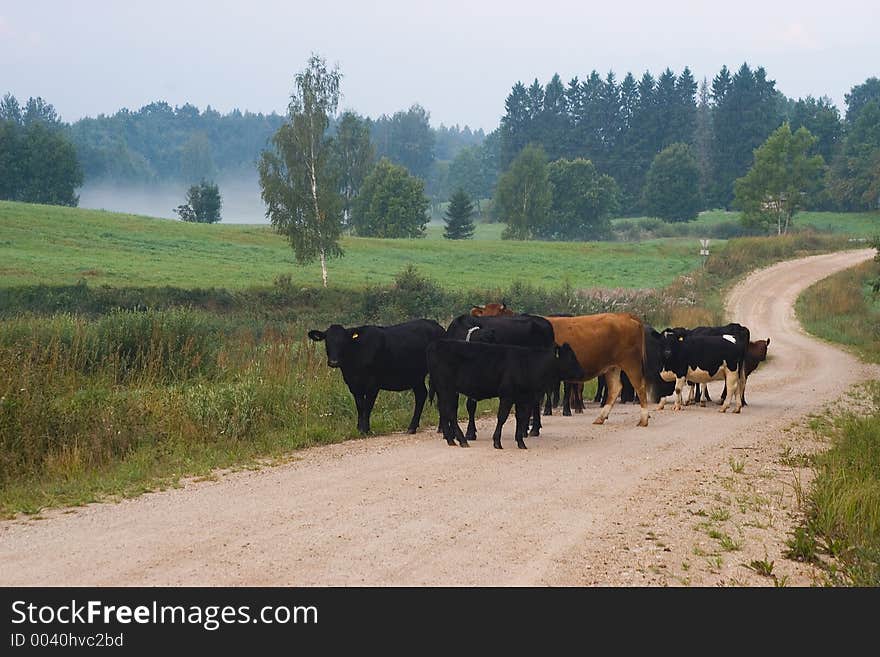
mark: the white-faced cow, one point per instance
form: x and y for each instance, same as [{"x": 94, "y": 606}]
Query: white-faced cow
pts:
[
  {"x": 374, "y": 358},
  {"x": 700, "y": 359},
  {"x": 700, "y": 391},
  {"x": 516, "y": 375}
]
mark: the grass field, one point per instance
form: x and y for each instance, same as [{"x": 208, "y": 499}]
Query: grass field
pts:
[{"x": 52, "y": 245}]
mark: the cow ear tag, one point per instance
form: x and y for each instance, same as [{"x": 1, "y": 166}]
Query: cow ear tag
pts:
[
  {"x": 681, "y": 339},
  {"x": 354, "y": 336}
]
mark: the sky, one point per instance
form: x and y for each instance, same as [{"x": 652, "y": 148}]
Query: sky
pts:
[{"x": 457, "y": 59}]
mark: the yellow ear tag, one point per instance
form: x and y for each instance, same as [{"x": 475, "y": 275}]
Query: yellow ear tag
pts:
[
  {"x": 354, "y": 336},
  {"x": 681, "y": 339}
]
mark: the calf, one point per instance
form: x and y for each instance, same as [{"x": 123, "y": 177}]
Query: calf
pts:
[
  {"x": 374, "y": 358},
  {"x": 517, "y": 375},
  {"x": 701, "y": 359},
  {"x": 519, "y": 330}
]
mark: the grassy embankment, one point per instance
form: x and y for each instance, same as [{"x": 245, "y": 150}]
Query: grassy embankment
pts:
[
  {"x": 842, "y": 508},
  {"x": 97, "y": 401}
]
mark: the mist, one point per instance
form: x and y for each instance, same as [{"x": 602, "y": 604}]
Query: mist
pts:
[{"x": 241, "y": 198}]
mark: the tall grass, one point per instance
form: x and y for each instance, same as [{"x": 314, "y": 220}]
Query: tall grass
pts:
[
  {"x": 146, "y": 396},
  {"x": 843, "y": 505},
  {"x": 843, "y": 308}
]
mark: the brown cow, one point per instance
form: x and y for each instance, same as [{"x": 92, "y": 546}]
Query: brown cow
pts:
[
  {"x": 606, "y": 344},
  {"x": 491, "y": 310}
]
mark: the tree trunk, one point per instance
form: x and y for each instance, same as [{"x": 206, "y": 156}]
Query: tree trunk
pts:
[{"x": 323, "y": 267}]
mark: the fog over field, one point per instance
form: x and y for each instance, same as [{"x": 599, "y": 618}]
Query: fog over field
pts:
[{"x": 241, "y": 199}]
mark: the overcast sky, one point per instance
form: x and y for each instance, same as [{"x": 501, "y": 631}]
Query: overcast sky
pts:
[{"x": 457, "y": 59}]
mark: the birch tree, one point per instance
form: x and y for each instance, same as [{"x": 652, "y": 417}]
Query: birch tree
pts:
[{"x": 298, "y": 182}]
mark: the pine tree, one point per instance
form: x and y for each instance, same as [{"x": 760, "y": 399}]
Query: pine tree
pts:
[{"x": 459, "y": 217}]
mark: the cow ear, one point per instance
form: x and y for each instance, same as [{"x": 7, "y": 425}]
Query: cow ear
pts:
[
  {"x": 317, "y": 336},
  {"x": 768, "y": 342}
]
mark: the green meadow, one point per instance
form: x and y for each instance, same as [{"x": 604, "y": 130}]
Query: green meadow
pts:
[{"x": 61, "y": 246}]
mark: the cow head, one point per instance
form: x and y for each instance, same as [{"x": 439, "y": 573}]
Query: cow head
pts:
[
  {"x": 670, "y": 339},
  {"x": 569, "y": 367},
  {"x": 340, "y": 343},
  {"x": 492, "y": 310},
  {"x": 758, "y": 349}
]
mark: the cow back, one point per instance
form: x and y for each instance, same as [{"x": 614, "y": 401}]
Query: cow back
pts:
[
  {"x": 602, "y": 341},
  {"x": 520, "y": 330}
]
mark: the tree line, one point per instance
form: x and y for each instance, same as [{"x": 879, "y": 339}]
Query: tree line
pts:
[{"x": 621, "y": 127}]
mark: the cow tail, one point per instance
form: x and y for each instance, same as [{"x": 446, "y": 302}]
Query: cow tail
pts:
[
  {"x": 430, "y": 390},
  {"x": 644, "y": 358}
]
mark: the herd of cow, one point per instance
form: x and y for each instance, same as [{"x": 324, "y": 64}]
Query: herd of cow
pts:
[{"x": 492, "y": 352}]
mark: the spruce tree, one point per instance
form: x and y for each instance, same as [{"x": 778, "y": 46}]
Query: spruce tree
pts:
[{"x": 459, "y": 217}]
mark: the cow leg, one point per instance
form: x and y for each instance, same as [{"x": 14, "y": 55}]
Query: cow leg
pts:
[
  {"x": 691, "y": 393},
  {"x": 548, "y": 403},
  {"x": 421, "y": 394},
  {"x": 640, "y": 389},
  {"x": 448, "y": 410},
  {"x": 369, "y": 401},
  {"x": 566, "y": 399},
  {"x": 679, "y": 384},
  {"x": 577, "y": 395},
  {"x": 504, "y": 405},
  {"x": 706, "y": 392},
  {"x": 522, "y": 423},
  {"x": 471, "y": 433},
  {"x": 612, "y": 385},
  {"x": 731, "y": 378},
  {"x": 601, "y": 389},
  {"x": 536, "y": 418},
  {"x": 359, "y": 404}
]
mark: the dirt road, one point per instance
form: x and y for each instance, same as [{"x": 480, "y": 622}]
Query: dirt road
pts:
[{"x": 612, "y": 504}]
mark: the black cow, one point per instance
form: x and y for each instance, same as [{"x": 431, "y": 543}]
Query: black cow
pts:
[
  {"x": 517, "y": 375},
  {"x": 702, "y": 358},
  {"x": 374, "y": 358},
  {"x": 518, "y": 330}
]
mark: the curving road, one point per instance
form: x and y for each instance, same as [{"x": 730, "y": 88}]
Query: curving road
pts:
[{"x": 409, "y": 510}]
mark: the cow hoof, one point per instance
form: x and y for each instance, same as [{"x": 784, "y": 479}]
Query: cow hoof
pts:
[
  {"x": 410, "y": 431},
  {"x": 451, "y": 443},
  {"x": 464, "y": 443},
  {"x": 470, "y": 436},
  {"x": 521, "y": 444},
  {"x": 722, "y": 410},
  {"x": 535, "y": 433},
  {"x": 599, "y": 420},
  {"x": 737, "y": 410},
  {"x": 497, "y": 444},
  {"x": 566, "y": 413},
  {"x": 702, "y": 404},
  {"x": 642, "y": 423}
]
